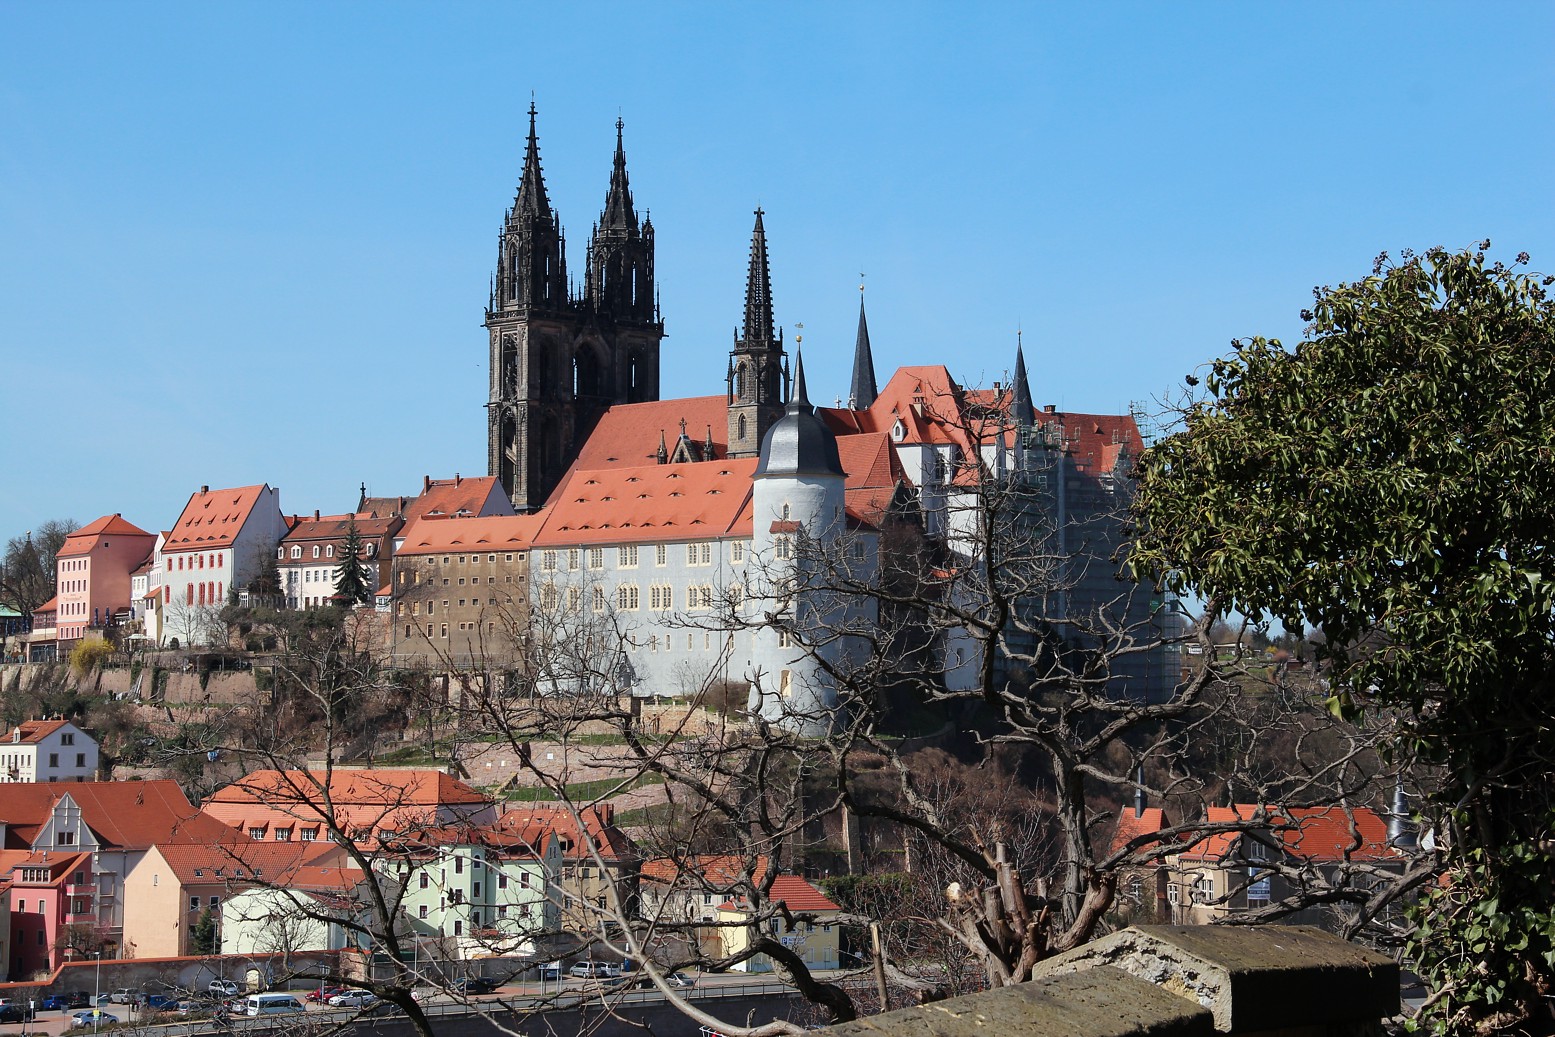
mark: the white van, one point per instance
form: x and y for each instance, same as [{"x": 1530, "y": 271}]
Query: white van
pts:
[{"x": 270, "y": 1004}]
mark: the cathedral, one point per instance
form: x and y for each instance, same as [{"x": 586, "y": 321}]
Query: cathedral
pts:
[{"x": 678, "y": 519}]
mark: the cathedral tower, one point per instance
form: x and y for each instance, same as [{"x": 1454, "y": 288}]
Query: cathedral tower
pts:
[
  {"x": 757, "y": 365},
  {"x": 559, "y": 361}
]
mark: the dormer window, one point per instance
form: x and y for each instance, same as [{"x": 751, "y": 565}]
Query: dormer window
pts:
[
  {"x": 329, "y": 550},
  {"x": 296, "y": 551},
  {"x": 315, "y": 550}
]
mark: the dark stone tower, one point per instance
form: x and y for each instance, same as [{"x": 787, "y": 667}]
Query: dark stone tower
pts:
[
  {"x": 559, "y": 361},
  {"x": 757, "y": 365},
  {"x": 862, "y": 393}
]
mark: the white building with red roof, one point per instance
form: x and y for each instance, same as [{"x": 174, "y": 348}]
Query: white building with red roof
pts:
[
  {"x": 47, "y": 750},
  {"x": 308, "y": 558},
  {"x": 221, "y": 541}
]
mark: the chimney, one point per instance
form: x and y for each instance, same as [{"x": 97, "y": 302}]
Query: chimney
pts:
[
  {"x": 205, "y": 489},
  {"x": 1139, "y": 794},
  {"x": 426, "y": 483},
  {"x": 1048, "y": 408},
  {"x": 458, "y": 478},
  {"x": 315, "y": 514}
]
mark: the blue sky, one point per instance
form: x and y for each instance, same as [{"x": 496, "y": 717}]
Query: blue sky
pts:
[{"x": 253, "y": 241}]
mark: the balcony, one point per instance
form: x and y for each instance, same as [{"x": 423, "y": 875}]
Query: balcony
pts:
[
  {"x": 83, "y": 890},
  {"x": 87, "y": 917}
]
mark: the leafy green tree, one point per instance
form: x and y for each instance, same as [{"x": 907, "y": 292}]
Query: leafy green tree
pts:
[
  {"x": 351, "y": 576},
  {"x": 1392, "y": 480}
]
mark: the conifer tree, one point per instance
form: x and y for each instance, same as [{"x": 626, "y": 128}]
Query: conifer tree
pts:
[{"x": 351, "y": 582}]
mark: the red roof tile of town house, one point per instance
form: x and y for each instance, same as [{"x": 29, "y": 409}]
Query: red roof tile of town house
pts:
[
  {"x": 718, "y": 871},
  {"x": 212, "y": 518},
  {"x": 123, "y": 814},
  {"x": 245, "y": 859},
  {"x": 692, "y": 501},
  {"x": 84, "y": 539},
  {"x": 627, "y": 436},
  {"x": 1315, "y": 834},
  {"x": 533, "y": 819},
  {"x": 458, "y": 496},
  {"x": 1131, "y": 826},
  {"x": 30, "y": 732},
  {"x": 436, "y": 534},
  {"x": 334, "y": 528},
  {"x": 366, "y": 787},
  {"x": 794, "y": 893}
]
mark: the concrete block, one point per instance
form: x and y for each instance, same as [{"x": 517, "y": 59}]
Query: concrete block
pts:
[
  {"x": 1101, "y": 1002},
  {"x": 1254, "y": 979}
]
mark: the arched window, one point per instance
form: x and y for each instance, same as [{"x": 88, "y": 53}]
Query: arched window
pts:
[
  {"x": 741, "y": 381},
  {"x": 329, "y": 550},
  {"x": 742, "y": 428}
]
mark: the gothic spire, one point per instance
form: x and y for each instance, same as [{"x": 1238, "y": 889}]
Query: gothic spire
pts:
[
  {"x": 619, "y": 214},
  {"x": 799, "y": 402},
  {"x": 531, "y": 188},
  {"x": 864, "y": 390},
  {"x": 1021, "y": 409},
  {"x": 758, "y": 289}
]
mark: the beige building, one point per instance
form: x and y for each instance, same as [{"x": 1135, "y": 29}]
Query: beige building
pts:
[{"x": 461, "y": 592}]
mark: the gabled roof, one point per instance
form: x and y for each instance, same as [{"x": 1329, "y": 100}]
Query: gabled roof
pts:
[
  {"x": 122, "y": 814},
  {"x": 1131, "y": 826},
  {"x": 31, "y": 732},
  {"x": 627, "y": 434},
  {"x": 716, "y": 871},
  {"x": 58, "y": 864},
  {"x": 1316, "y": 835},
  {"x": 480, "y": 495},
  {"x": 436, "y": 534},
  {"x": 535, "y": 819},
  {"x": 239, "y": 859},
  {"x": 793, "y": 892},
  {"x": 212, "y": 519},
  {"x": 693, "y": 501},
  {"x": 84, "y": 539},
  {"x": 334, "y": 528}
]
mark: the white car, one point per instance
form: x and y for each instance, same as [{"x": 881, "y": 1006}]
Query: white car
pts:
[
  {"x": 354, "y": 999},
  {"x": 222, "y": 988},
  {"x": 92, "y": 1017}
]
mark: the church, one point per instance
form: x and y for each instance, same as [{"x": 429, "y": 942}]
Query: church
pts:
[{"x": 678, "y": 546}]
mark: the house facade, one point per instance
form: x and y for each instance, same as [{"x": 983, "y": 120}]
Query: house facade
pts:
[
  {"x": 219, "y": 544},
  {"x": 93, "y": 574},
  {"x": 47, "y": 750},
  {"x": 308, "y": 557}
]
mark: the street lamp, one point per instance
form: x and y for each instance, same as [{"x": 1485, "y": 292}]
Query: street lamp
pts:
[{"x": 97, "y": 990}]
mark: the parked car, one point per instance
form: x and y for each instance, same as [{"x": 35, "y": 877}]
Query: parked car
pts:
[
  {"x": 594, "y": 970},
  {"x": 161, "y": 1002},
  {"x": 680, "y": 980},
  {"x": 16, "y": 1012},
  {"x": 323, "y": 994},
  {"x": 123, "y": 996},
  {"x": 92, "y": 1017},
  {"x": 476, "y": 985},
  {"x": 354, "y": 999},
  {"x": 68, "y": 1000},
  {"x": 222, "y": 988}
]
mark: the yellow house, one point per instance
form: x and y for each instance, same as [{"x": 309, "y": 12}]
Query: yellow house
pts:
[{"x": 814, "y": 934}]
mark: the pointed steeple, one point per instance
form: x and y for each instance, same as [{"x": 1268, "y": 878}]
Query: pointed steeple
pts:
[
  {"x": 532, "y": 200},
  {"x": 799, "y": 402},
  {"x": 863, "y": 393},
  {"x": 619, "y": 214},
  {"x": 758, "y": 289},
  {"x": 1020, "y": 406}
]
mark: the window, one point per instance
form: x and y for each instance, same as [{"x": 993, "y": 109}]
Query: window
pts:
[
  {"x": 596, "y": 558},
  {"x": 256, "y": 832},
  {"x": 737, "y": 552},
  {"x": 80, "y": 759},
  {"x": 572, "y": 558},
  {"x": 53, "y": 759},
  {"x": 315, "y": 550},
  {"x": 626, "y": 557},
  {"x": 329, "y": 550},
  {"x": 458, "y": 865},
  {"x": 598, "y": 597},
  {"x": 786, "y": 683},
  {"x": 626, "y": 596},
  {"x": 67, "y": 739},
  {"x": 475, "y": 890},
  {"x": 548, "y": 561},
  {"x": 574, "y": 597},
  {"x": 426, "y": 880},
  {"x": 310, "y": 834},
  {"x": 67, "y": 838},
  {"x": 785, "y": 639},
  {"x": 781, "y": 548},
  {"x": 660, "y": 554},
  {"x": 458, "y": 927},
  {"x": 194, "y": 903},
  {"x": 215, "y": 902},
  {"x": 283, "y": 835},
  {"x": 502, "y": 881},
  {"x": 422, "y": 912}
]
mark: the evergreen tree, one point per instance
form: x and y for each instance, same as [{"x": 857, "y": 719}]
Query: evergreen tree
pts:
[
  {"x": 351, "y": 576},
  {"x": 205, "y": 937}
]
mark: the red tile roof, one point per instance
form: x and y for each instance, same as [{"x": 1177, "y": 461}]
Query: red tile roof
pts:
[
  {"x": 31, "y": 732},
  {"x": 82, "y": 540},
  {"x": 1315, "y": 834},
  {"x": 473, "y": 496},
  {"x": 693, "y": 501},
  {"x": 212, "y": 519},
  {"x": 436, "y": 534},
  {"x": 627, "y": 436},
  {"x": 333, "y": 528},
  {"x": 122, "y": 814},
  {"x": 1131, "y": 826},
  {"x": 715, "y": 870},
  {"x": 795, "y": 893},
  {"x": 365, "y": 787},
  {"x": 533, "y": 819}
]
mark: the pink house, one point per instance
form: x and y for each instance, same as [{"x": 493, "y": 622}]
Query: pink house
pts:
[
  {"x": 48, "y": 894},
  {"x": 93, "y": 573}
]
